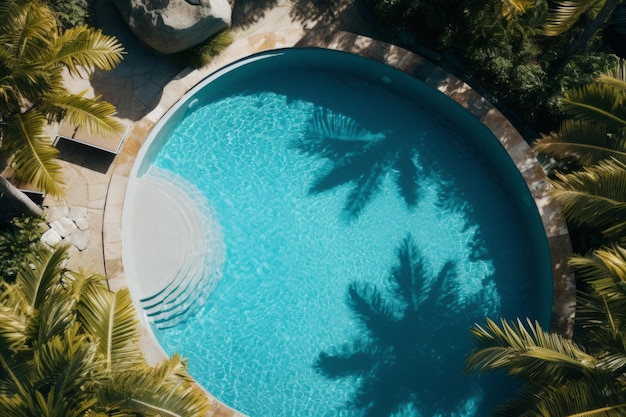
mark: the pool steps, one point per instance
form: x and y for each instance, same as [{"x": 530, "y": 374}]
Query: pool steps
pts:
[{"x": 194, "y": 278}]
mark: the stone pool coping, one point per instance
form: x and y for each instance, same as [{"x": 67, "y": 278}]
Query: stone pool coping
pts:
[{"x": 563, "y": 308}]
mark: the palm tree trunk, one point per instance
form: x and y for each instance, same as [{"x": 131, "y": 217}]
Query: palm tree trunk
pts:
[
  {"x": 25, "y": 204},
  {"x": 593, "y": 27}
]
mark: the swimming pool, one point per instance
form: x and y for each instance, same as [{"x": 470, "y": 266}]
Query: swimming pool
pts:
[{"x": 320, "y": 169}]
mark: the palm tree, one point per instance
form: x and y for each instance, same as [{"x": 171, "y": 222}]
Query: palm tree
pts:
[
  {"x": 595, "y": 122},
  {"x": 561, "y": 377},
  {"x": 68, "y": 347},
  {"x": 568, "y": 12},
  {"x": 404, "y": 358},
  {"x": 594, "y": 199},
  {"x": 33, "y": 57},
  {"x": 592, "y": 145},
  {"x": 359, "y": 157}
]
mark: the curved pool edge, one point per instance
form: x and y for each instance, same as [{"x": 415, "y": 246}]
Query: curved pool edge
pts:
[{"x": 554, "y": 223}]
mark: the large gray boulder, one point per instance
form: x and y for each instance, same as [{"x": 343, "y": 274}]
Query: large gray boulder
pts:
[{"x": 170, "y": 26}]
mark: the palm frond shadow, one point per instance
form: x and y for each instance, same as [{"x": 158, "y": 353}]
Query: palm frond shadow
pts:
[
  {"x": 359, "y": 157},
  {"x": 411, "y": 349}
]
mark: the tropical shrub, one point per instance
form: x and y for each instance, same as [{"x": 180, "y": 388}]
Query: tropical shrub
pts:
[
  {"x": 589, "y": 149},
  {"x": 69, "y": 347},
  {"x": 503, "y": 48},
  {"x": 71, "y": 13},
  {"x": 562, "y": 377},
  {"x": 201, "y": 55},
  {"x": 16, "y": 242}
]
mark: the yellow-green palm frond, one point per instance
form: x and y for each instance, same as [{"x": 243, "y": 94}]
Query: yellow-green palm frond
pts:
[
  {"x": 615, "y": 77},
  {"x": 511, "y": 8},
  {"x": 28, "y": 37},
  {"x": 601, "y": 310},
  {"x": 87, "y": 48},
  {"x": 165, "y": 389},
  {"x": 597, "y": 103},
  {"x": 530, "y": 354},
  {"x": 36, "y": 278},
  {"x": 54, "y": 316},
  {"x": 604, "y": 270},
  {"x": 565, "y": 14},
  {"x": 598, "y": 395},
  {"x": 595, "y": 197},
  {"x": 111, "y": 318},
  {"x": 12, "y": 333},
  {"x": 582, "y": 142},
  {"x": 90, "y": 114},
  {"x": 34, "y": 157},
  {"x": 68, "y": 371}
]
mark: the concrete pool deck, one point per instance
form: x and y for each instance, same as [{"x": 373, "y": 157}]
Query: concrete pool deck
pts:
[{"x": 145, "y": 86}]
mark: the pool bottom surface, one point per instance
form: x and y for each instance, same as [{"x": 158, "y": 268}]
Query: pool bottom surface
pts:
[{"x": 287, "y": 330}]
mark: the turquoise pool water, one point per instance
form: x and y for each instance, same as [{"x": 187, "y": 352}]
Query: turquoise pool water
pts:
[{"x": 326, "y": 171}]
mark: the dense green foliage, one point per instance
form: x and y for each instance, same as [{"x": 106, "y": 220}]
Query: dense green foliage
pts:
[
  {"x": 71, "y": 13},
  {"x": 503, "y": 49},
  {"x": 201, "y": 55},
  {"x": 17, "y": 241}
]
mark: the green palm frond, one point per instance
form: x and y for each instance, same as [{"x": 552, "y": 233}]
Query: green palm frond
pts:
[
  {"x": 54, "y": 316},
  {"x": 34, "y": 157},
  {"x": 601, "y": 310},
  {"x": 12, "y": 332},
  {"x": 91, "y": 114},
  {"x": 512, "y": 8},
  {"x": 165, "y": 390},
  {"x": 565, "y": 14},
  {"x": 532, "y": 355},
  {"x": 110, "y": 317},
  {"x": 596, "y": 396},
  {"x": 68, "y": 370},
  {"x": 605, "y": 270},
  {"x": 28, "y": 38},
  {"x": 595, "y": 197},
  {"x": 85, "y": 48},
  {"x": 615, "y": 77},
  {"x": 37, "y": 280},
  {"x": 14, "y": 352},
  {"x": 584, "y": 143},
  {"x": 597, "y": 103}
]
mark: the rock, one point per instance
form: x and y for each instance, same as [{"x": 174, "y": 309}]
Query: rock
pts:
[
  {"x": 76, "y": 213},
  {"x": 64, "y": 226},
  {"x": 51, "y": 237},
  {"x": 81, "y": 223},
  {"x": 56, "y": 212},
  {"x": 170, "y": 26},
  {"x": 80, "y": 238}
]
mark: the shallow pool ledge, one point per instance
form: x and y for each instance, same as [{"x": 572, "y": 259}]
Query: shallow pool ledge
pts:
[{"x": 563, "y": 308}]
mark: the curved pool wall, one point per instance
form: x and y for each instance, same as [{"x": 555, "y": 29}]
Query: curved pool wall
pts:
[{"x": 476, "y": 106}]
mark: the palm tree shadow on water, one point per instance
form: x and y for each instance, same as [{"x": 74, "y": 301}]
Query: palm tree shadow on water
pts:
[
  {"x": 359, "y": 157},
  {"x": 409, "y": 351},
  {"x": 362, "y": 160}
]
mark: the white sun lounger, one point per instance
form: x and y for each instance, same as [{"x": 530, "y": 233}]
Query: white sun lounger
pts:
[{"x": 109, "y": 144}]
